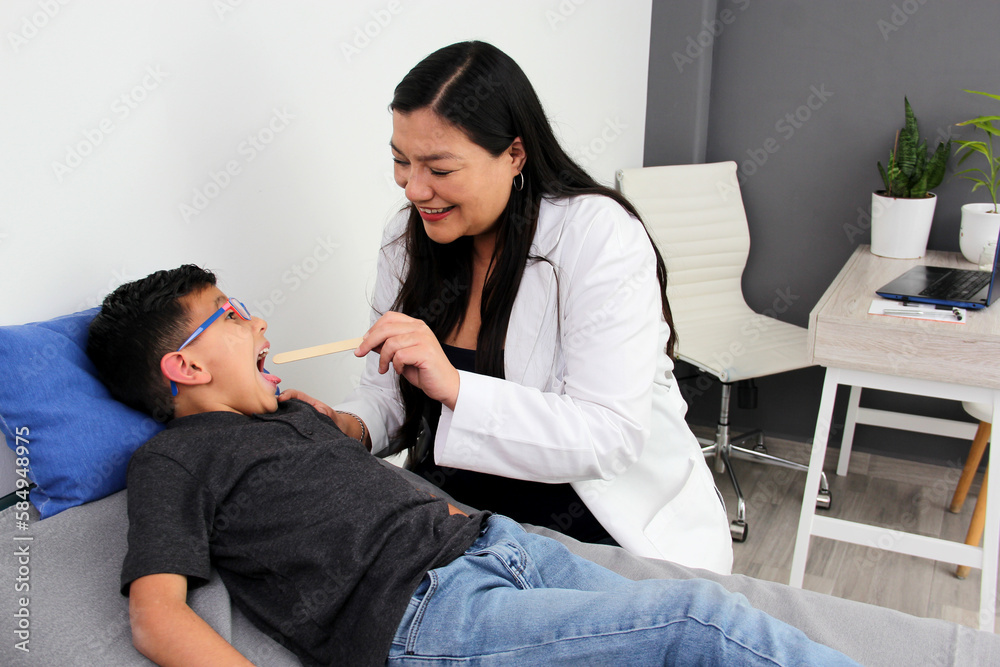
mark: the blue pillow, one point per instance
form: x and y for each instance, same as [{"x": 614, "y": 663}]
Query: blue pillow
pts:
[{"x": 79, "y": 439}]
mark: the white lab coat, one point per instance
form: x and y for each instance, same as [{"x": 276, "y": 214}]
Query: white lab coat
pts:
[{"x": 589, "y": 396}]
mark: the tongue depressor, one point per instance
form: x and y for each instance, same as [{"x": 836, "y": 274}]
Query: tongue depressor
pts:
[{"x": 317, "y": 351}]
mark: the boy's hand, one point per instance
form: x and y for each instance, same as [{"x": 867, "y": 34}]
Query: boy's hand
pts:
[{"x": 315, "y": 402}]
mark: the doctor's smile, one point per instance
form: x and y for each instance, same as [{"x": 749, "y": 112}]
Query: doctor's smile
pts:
[{"x": 434, "y": 214}]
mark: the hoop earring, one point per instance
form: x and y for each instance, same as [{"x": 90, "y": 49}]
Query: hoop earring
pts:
[{"x": 521, "y": 186}]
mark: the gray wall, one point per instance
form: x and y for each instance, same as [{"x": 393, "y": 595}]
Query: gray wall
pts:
[{"x": 807, "y": 96}]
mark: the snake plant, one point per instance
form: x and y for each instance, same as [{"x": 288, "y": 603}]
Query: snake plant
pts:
[{"x": 911, "y": 173}]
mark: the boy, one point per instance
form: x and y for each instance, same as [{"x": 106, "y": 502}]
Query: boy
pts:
[{"x": 335, "y": 555}]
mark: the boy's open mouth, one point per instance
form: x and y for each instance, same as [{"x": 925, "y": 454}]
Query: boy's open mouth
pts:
[{"x": 273, "y": 379}]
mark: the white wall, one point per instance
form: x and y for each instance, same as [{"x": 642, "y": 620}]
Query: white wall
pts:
[{"x": 120, "y": 119}]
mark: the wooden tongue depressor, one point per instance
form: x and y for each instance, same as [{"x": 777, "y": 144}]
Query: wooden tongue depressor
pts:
[{"x": 319, "y": 350}]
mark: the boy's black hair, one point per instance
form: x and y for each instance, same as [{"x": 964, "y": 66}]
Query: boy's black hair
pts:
[{"x": 139, "y": 323}]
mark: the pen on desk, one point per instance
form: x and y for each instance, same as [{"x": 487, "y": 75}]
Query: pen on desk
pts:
[
  {"x": 924, "y": 306},
  {"x": 956, "y": 312},
  {"x": 907, "y": 311}
]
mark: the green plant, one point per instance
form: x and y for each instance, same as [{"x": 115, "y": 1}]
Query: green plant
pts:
[
  {"x": 911, "y": 173},
  {"x": 990, "y": 180}
]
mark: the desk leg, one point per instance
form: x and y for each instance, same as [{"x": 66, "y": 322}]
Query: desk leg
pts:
[
  {"x": 823, "y": 421},
  {"x": 847, "y": 442},
  {"x": 991, "y": 537}
]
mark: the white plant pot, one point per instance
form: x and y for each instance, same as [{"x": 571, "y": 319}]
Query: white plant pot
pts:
[
  {"x": 979, "y": 227},
  {"x": 901, "y": 227}
]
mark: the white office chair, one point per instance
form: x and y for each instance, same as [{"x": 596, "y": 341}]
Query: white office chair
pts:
[{"x": 695, "y": 214}]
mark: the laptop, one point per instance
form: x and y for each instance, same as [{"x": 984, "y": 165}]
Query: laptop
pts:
[{"x": 956, "y": 288}]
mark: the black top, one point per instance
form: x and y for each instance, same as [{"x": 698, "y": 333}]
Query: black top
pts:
[
  {"x": 555, "y": 506},
  {"x": 318, "y": 543}
]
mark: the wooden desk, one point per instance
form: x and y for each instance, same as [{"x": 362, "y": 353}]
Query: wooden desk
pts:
[{"x": 939, "y": 359}]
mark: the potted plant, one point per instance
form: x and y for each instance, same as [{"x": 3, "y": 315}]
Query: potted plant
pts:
[
  {"x": 902, "y": 213},
  {"x": 980, "y": 222}
]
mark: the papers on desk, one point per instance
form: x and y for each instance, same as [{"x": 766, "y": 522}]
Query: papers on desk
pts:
[{"x": 917, "y": 311}]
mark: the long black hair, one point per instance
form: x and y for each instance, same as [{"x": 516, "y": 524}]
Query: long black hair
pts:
[{"x": 480, "y": 90}]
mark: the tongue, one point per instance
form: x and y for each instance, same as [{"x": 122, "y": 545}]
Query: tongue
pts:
[{"x": 273, "y": 379}]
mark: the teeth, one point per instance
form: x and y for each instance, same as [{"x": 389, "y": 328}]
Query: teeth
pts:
[
  {"x": 435, "y": 210},
  {"x": 263, "y": 353}
]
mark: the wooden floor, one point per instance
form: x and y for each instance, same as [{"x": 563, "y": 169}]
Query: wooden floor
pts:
[{"x": 899, "y": 495}]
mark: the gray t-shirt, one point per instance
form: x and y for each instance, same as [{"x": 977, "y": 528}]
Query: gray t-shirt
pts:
[{"x": 317, "y": 543}]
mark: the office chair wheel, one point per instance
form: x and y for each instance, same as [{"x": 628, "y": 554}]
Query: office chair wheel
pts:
[
  {"x": 738, "y": 530},
  {"x": 823, "y": 500}
]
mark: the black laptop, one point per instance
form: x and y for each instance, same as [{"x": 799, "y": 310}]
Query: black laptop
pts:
[{"x": 961, "y": 288}]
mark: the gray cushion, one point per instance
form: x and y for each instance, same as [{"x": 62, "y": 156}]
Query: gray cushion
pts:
[{"x": 77, "y": 616}]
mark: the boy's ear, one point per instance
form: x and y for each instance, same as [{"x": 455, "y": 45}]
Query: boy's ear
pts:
[{"x": 177, "y": 367}]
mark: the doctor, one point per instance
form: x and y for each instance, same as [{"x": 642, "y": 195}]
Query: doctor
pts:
[{"x": 521, "y": 330}]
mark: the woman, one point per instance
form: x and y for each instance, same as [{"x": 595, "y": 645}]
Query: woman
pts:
[{"x": 520, "y": 319}]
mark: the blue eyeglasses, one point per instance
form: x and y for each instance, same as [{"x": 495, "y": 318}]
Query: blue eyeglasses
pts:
[{"x": 234, "y": 305}]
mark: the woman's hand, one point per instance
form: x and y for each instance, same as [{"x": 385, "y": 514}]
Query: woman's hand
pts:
[
  {"x": 349, "y": 424},
  {"x": 411, "y": 348},
  {"x": 306, "y": 398}
]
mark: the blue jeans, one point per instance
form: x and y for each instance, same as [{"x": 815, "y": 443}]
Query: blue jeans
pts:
[{"x": 516, "y": 598}]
